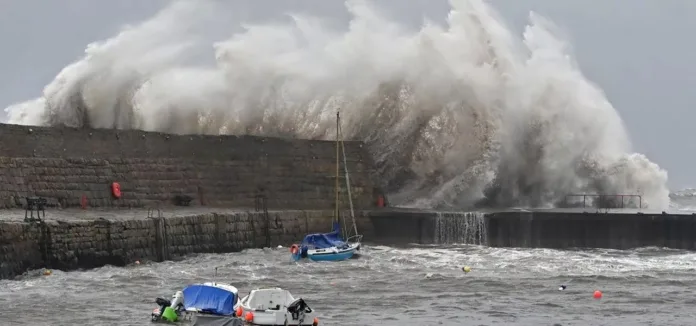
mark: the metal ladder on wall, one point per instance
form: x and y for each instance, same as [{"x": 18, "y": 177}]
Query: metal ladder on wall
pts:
[
  {"x": 261, "y": 204},
  {"x": 161, "y": 243},
  {"x": 38, "y": 205}
]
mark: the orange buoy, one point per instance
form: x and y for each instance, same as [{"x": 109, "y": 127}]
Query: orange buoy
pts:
[
  {"x": 316, "y": 321},
  {"x": 239, "y": 312},
  {"x": 294, "y": 249},
  {"x": 116, "y": 190},
  {"x": 597, "y": 294},
  {"x": 249, "y": 317}
]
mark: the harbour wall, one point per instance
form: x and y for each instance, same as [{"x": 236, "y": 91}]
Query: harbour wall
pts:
[
  {"x": 63, "y": 165},
  {"x": 393, "y": 226},
  {"x": 232, "y": 181},
  {"x": 560, "y": 229},
  {"x": 615, "y": 229},
  {"x": 88, "y": 243},
  {"x": 90, "y": 238}
]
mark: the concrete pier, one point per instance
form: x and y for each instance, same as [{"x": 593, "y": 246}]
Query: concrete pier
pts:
[
  {"x": 557, "y": 228},
  {"x": 394, "y": 226},
  {"x": 575, "y": 228}
]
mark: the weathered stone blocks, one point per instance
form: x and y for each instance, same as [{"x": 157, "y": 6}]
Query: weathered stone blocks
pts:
[
  {"x": 64, "y": 164},
  {"x": 87, "y": 244}
]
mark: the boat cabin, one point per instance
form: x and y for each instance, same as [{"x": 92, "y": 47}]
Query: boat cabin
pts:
[{"x": 268, "y": 299}]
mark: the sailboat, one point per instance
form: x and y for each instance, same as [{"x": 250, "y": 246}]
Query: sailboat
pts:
[{"x": 338, "y": 244}]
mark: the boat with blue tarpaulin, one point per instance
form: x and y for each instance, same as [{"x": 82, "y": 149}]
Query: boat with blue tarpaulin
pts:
[
  {"x": 206, "y": 304},
  {"x": 341, "y": 243}
]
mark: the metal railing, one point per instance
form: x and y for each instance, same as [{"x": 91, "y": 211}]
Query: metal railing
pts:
[
  {"x": 357, "y": 238},
  {"x": 35, "y": 204},
  {"x": 605, "y": 199}
]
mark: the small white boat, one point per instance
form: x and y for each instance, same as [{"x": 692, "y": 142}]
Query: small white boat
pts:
[{"x": 275, "y": 306}]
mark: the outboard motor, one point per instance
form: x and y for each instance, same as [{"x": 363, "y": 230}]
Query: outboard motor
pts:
[
  {"x": 169, "y": 310},
  {"x": 298, "y": 308},
  {"x": 162, "y": 303}
]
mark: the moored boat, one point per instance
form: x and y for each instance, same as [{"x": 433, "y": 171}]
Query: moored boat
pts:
[
  {"x": 205, "y": 304},
  {"x": 325, "y": 247},
  {"x": 338, "y": 244},
  {"x": 275, "y": 306}
]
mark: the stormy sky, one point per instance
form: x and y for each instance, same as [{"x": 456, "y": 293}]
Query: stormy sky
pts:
[{"x": 641, "y": 52}]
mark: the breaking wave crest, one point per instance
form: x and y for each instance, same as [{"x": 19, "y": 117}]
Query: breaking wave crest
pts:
[{"x": 455, "y": 115}]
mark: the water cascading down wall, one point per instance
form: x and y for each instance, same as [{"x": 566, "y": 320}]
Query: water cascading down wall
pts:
[
  {"x": 404, "y": 226},
  {"x": 541, "y": 228}
]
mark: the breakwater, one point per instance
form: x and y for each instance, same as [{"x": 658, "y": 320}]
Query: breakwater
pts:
[
  {"x": 75, "y": 239},
  {"x": 404, "y": 226},
  {"x": 68, "y": 166},
  {"x": 70, "y": 239},
  {"x": 574, "y": 228},
  {"x": 240, "y": 192},
  {"x": 558, "y": 229}
]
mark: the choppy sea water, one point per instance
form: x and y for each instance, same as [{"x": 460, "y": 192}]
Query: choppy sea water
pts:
[{"x": 417, "y": 285}]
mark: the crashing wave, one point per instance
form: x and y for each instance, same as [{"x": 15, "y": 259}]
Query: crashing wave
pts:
[{"x": 455, "y": 115}]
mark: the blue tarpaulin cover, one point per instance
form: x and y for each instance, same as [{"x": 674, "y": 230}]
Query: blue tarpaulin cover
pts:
[
  {"x": 323, "y": 240},
  {"x": 210, "y": 299}
]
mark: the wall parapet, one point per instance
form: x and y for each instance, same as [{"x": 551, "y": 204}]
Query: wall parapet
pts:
[{"x": 66, "y": 164}]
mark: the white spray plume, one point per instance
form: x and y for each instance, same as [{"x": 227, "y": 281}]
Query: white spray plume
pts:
[{"x": 454, "y": 115}]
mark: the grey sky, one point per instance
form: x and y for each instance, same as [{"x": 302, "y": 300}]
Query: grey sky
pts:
[{"x": 640, "y": 52}]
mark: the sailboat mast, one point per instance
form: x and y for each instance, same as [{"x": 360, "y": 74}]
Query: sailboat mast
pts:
[
  {"x": 350, "y": 196},
  {"x": 338, "y": 117}
]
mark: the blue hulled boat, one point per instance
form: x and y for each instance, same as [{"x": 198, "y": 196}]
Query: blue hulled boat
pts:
[
  {"x": 326, "y": 246},
  {"x": 338, "y": 244}
]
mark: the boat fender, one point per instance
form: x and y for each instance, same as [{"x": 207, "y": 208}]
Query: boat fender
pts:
[
  {"x": 116, "y": 190},
  {"x": 169, "y": 314}
]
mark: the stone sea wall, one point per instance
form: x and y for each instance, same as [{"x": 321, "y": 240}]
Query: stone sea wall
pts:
[
  {"x": 395, "y": 226},
  {"x": 64, "y": 165},
  {"x": 614, "y": 229},
  {"x": 557, "y": 229},
  {"x": 93, "y": 243}
]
